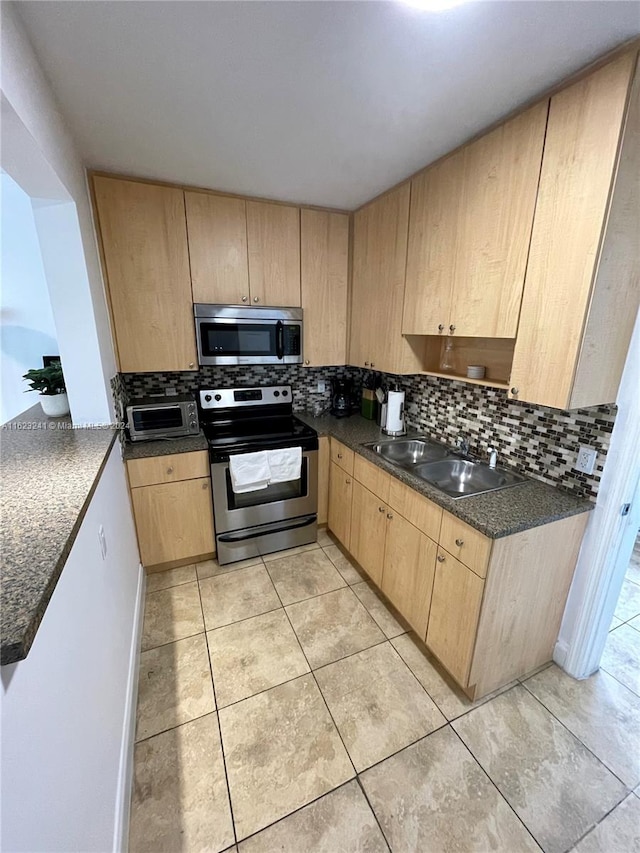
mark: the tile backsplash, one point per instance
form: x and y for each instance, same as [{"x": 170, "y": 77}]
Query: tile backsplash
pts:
[{"x": 540, "y": 442}]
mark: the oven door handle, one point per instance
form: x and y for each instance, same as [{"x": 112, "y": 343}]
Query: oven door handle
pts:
[
  {"x": 242, "y": 535},
  {"x": 279, "y": 339}
]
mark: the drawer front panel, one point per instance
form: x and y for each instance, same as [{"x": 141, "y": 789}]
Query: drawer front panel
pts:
[
  {"x": 372, "y": 477},
  {"x": 342, "y": 456},
  {"x": 168, "y": 469},
  {"x": 465, "y": 543},
  {"x": 420, "y": 511}
]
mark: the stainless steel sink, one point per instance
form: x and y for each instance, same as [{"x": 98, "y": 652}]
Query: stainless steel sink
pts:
[
  {"x": 406, "y": 453},
  {"x": 461, "y": 477}
]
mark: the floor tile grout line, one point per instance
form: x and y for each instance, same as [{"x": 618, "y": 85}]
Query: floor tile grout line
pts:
[
  {"x": 499, "y": 792},
  {"x": 172, "y": 642},
  {"x": 222, "y": 752},
  {"x": 574, "y": 735},
  {"x": 176, "y": 726},
  {"x": 373, "y": 811},
  {"x": 603, "y": 818},
  {"x": 244, "y": 619}
]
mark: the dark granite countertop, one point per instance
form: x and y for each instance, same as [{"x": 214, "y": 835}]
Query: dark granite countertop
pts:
[
  {"x": 49, "y": 472},
  {"x": 144, "y": 449},
  {"x": 496, "y": 514}
]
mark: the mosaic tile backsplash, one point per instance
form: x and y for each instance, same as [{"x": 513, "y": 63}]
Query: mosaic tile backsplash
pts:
[{"x": 540, "y": 442}]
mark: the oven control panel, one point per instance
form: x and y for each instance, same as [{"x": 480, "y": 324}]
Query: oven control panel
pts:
[{"x": 229, "y": 398}]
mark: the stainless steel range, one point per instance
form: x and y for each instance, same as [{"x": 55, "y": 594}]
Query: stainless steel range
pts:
[{"x": 281, "y": 515}]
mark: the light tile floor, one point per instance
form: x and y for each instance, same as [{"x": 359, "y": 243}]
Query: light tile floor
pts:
[{"x": 283, "y": 706}]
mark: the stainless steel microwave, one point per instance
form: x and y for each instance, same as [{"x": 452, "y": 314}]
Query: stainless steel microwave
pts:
[
  {"x": 233, "y": 334},
  {"x": 162, "y": 417}
]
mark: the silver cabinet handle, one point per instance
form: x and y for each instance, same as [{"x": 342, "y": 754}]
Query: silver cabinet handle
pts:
[
  {"x": 348, "y": 482},
  {"x": 515, "y": 391},
  {"x": 372, "y": 364},
  {"x": 380, "y": 509},
  {"x": 244, "y": 298},
  {"x": 169, "y": 470},
  {"x": 205, "y": 485},
  {"x": 452, "y": 328},
  {"x": 306, "y": 361},
  {"x": 191, "y": 364},
  {"x": 366, "y": 364},
  {"x": 441, "y": 327},
  {"x": 440, "y": 558},
  {"x": 255, "y": 299},
  {"x": 339, "y": 455},
  {"x": 389, "y": 515},
  {"x": 459, "y": 542}
]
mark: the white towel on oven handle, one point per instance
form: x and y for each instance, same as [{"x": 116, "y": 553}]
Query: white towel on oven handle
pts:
[
  {"x": 285, "y": 464},
  {"x": 249, "y": 471}
]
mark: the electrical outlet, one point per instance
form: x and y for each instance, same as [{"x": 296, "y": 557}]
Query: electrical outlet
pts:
[
  {"x": 103, "y": 542},
  {"x": 586, "y": 460},
  {"x": 322, "y": 386}
]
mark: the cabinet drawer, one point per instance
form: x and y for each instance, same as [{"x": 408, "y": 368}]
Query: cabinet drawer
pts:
[
  {"x": 174, "y": 520},
  {"x": 168, "y": 469},
  {"x": 465, "y": 543},
  {"x": 374, "y": 478},
  {"x": 420, "y": 511},
  {"x": 342, "y": 456}
]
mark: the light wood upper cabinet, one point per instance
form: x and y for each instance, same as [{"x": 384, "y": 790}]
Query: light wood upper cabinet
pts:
[
  {"x": 273, "y": 236},
  {"x": 217, "y": 230},
  {"x": 581, "y": 289},
  {"x": 469, "y": 233},
  {"x": 379, "y": 258},
  {"x": 409, "y": 566},
  {"x": 324, "y": 255},
  {"x": 144, "y": 243}
]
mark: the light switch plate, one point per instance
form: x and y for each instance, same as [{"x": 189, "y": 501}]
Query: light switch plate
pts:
[
  {"x": 322, "y": 386},
  {"x": 586, "y": 460}
]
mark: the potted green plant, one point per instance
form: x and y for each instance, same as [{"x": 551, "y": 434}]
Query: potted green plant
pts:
[{"x": 49, "y": 381}]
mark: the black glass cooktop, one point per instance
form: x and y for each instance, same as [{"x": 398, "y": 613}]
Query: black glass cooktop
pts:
[{"x": 247, "y": 435}]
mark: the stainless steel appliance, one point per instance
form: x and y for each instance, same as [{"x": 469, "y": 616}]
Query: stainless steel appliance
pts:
[
  {"x": 233, "y": 334},
  {"x": 283, "y": 515},
  {"x": 162, "y": 417}
]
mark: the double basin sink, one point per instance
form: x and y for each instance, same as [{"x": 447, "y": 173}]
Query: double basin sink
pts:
[{"x": 438, "y": 465}]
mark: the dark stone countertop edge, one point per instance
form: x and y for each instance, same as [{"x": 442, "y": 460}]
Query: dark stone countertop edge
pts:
[
  {"x": 163, "y": 447},
  {"x": 15, "y": 651},
  {"x": 491, "y": 513}
]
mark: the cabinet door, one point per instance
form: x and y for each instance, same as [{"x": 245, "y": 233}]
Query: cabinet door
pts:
[
  {"x": 495, "y": 217},
  {"x": 323, "y": 478},
  {"x": 217, "y": 231},
  {"x": 144, "y": 242},
  {"x": 453, "y": 619},
  {"x": 340, "y": 493},
  {"x": 409, "y": 566},
  {"x": 431, "y": 254},
  {"x": 580, "y": 157},
  {"x": 324, "y": 256},
  {"x": 368, "y": 531},
  {"x": 273, "y": 236},
  {"x": 379, "y": 261},
  {"x": 174, "y": 520}
]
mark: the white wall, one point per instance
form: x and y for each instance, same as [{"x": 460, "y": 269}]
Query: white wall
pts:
[
  {"x": 37, "y": 129},
  {"x": 27, "y": 330},
  {"x": 66, "y": 707}
]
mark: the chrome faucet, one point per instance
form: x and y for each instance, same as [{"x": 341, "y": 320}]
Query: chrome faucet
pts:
[
  {"x": 493, "y": 457},
  {"x": 463, "y": 446}
]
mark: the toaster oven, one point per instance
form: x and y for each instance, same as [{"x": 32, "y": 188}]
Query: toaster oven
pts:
[{"x": 162, "y": 417}]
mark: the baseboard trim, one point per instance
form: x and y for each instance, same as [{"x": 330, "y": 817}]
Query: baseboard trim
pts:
[{"x": 125, "y": 773}]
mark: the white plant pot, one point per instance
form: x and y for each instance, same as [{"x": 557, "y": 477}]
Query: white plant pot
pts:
[{"x": 54, "y": 405}]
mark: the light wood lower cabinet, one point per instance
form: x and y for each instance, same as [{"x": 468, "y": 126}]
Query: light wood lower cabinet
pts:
[
  {"x": 407, "y": 581},
  {"x": 490, "y": 613},
  {"x": 340, "y": 494},
  {"x": 455, "y": 607},
  {"x": 368, "y": 531},
  {"x": 174, "y": 520},
  {"x": 323, "y": 479}
]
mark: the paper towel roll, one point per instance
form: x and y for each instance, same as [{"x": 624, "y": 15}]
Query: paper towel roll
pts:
[{"x": 395, "y": 411}]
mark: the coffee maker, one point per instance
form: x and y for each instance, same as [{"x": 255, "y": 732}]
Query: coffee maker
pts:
[{"x": 341, "y": 397}]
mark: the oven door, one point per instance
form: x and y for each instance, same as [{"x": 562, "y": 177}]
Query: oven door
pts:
[
  {"x": 228, "y": 340},
  {"x": 277, "y": 503}
]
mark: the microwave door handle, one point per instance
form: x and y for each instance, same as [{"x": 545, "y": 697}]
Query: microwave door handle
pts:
[{"x": 279, "y": 339}]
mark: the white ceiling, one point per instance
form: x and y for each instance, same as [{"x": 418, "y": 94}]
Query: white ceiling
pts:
[{"x": 327, "y": 103}]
